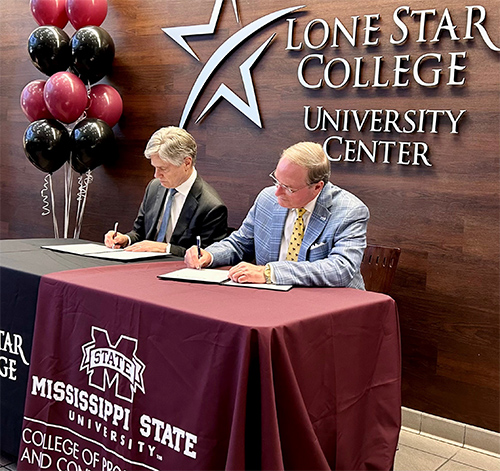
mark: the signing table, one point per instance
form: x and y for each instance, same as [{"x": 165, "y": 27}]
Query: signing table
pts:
[{"x": 132, "y": 372}]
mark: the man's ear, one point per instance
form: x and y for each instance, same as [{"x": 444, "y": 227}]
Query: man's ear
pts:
[{"x": 319, "y": 186}]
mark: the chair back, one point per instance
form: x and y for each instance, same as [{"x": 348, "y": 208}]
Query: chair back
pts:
[{"x": 379, "y": 266}]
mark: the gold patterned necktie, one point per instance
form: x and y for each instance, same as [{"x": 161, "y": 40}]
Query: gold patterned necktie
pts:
[{"x": 297, "y": 236}]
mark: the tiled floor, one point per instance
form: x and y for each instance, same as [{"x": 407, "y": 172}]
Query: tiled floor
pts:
[
  {"x": 415, "y": 453},
  {"x": 7, "y": 463},
  {"x": 420, "y": 453}
]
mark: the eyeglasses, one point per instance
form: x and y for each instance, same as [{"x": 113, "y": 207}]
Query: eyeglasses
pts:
[{"x": 289, "y": 190}]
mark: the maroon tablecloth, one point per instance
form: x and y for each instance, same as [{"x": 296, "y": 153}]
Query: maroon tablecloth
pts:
[{"x": 132, "y": 372}]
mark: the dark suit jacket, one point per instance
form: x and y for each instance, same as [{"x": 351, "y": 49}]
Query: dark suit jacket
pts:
[{"x": 203, "y": 214}]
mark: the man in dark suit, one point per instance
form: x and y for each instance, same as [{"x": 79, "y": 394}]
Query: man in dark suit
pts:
[{"x": 178, "y": 204}]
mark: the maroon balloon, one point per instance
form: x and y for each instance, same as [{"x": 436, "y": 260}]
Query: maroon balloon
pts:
[
  {"x": 105, "y": 103},
  {"x": 32, "y": 102},
  {"x": 65, "y": 96},
  {"x": 86, "y": 12},
  {"x": 49, "y": 12}
]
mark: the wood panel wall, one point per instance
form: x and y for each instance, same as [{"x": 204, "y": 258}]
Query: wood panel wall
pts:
[{"x": 445, "y": 218}]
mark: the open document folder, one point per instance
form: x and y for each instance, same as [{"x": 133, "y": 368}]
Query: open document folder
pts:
[
  {"x": 101, "y": 251},
  {"x": 209, "y": 275}
]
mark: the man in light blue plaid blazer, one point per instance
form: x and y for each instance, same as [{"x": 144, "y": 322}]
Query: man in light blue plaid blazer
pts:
[{"x": 334, "y": 239}]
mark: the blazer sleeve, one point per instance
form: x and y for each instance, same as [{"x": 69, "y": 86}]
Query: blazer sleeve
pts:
[{"x": 238, "y": 246}]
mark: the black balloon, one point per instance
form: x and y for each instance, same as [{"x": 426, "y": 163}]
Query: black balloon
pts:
[
  {"x": 77, "y": 166},
  {"x": 92, "y": 144},
  {"x": 93, "y": 52},
  {"x": 50, "y": 49},
  {"x": 47, "y": 144}
]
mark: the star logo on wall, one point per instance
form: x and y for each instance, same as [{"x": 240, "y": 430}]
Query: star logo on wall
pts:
[{"x": 250, "y": 109}]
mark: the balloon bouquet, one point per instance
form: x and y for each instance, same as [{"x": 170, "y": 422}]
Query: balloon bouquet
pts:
[{"x": 71, "y": 120}]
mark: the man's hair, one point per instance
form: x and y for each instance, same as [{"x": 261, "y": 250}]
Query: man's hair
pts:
[
  {"x": 311, "y": 156},
  {"x": 172, "y": 145}
]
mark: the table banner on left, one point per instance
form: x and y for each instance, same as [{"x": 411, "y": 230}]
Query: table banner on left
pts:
[{"x": 104, "y": 392}]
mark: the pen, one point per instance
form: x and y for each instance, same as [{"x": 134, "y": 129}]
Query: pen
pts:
[
  {"x": 115, "y": 234},
  {"x": 198, "y": 244}
]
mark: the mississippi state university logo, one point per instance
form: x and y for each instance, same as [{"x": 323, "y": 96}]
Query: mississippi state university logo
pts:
[
  {"x": 250, "y": 108},
  {"x": 109, "y": 365}
]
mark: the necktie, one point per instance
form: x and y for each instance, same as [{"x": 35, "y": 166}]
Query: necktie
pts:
[
  {"x": 166, "y": 216},
  {"x": 297, "y": 236}
]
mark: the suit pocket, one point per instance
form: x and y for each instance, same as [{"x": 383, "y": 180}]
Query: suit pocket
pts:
[{"x": 318, "y": 251}]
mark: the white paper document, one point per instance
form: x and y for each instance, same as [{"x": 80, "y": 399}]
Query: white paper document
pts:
[
  {"x": 210, "y": 275},
  {"x": 101, "y": 251},
  {"x": 205, "y": 275}
]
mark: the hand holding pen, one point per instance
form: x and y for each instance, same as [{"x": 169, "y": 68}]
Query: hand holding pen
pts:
[
  {"x": 114, "y": 240},
  {"x": 196, "y": 257}
]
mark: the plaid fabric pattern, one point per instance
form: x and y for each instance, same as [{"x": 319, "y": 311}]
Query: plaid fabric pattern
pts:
[{"x": 331, "y": 250}]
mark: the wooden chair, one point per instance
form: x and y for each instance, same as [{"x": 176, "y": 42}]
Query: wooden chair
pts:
[{"x": 379, "y": 266}]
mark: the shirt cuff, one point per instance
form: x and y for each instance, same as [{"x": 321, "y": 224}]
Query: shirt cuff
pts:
[
  {"x": 211, "y": 259},
  {"x": 272, "y": 276}
]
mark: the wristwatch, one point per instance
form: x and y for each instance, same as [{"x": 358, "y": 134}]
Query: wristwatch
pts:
[{"x": 267, "y": 274}]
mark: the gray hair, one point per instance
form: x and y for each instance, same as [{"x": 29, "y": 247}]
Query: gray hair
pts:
[
  {"x": 172, "y": 145},
  {"x": 311, "y": 156}
]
